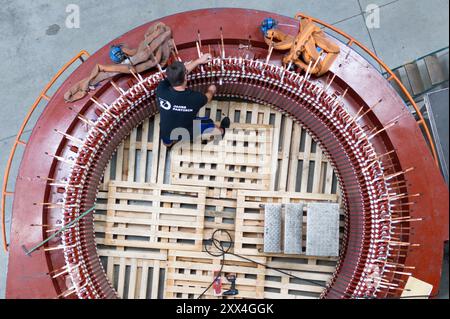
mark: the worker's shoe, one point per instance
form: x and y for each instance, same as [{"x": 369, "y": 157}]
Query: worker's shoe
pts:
[{"x": 224, "y": 125}]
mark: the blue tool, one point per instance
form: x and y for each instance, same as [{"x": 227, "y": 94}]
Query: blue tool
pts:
[
  {"x": 116, "y": 54},
  {"x": 268, "y": 24}
]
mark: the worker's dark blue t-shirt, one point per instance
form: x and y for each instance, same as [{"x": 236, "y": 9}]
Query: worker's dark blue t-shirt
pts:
[{"x": 178, "y": 109}]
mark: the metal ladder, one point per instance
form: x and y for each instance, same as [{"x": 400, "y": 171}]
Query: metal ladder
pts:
[{"x": 423, "y": 75}]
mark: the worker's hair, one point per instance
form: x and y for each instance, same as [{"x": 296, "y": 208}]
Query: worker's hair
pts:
[{"x": 176, "y": 73}]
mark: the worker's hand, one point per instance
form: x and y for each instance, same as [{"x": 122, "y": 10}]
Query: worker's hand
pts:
[
  {"x": 205, "y": 58},
  {"x": 212, "y": 89},
  {"x": 211, "y": 92}
]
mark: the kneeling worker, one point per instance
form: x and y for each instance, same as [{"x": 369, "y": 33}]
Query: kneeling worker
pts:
[{"x": 179, "y": 105}]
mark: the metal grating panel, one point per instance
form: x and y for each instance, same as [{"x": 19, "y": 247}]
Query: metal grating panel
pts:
[
  {"x": 293, "y": 224},
  {"x": 322, "y": 230}
]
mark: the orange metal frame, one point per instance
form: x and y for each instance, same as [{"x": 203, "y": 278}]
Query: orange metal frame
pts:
[
  {"x": 43, "y": 95},
  {"x": 19, "y": 141}
]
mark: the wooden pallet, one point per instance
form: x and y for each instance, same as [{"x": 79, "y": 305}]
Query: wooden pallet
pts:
[
  {"x": 135, "y": 274},
  {"x": 249, "y": 236},
  {"x": 239, "y": 161},
  {"x": 252, "y": 113},
  {"x": 190, "y": 273},
  {"x": 152, "y": 216},
  {"x": 140, "y": 158},
  {"x": 299, "y": 165},
  {"x": 313, "y": 276}
]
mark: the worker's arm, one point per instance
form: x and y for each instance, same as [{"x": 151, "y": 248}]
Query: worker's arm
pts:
[
  {"x": 192, "y": 65},
  {"x": 211, "y": 92}
]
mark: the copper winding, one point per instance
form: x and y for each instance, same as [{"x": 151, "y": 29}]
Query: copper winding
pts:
[{"x": 370, "y": 239}]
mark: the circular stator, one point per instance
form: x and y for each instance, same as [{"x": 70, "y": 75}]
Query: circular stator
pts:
[{"x": 345, "y": 138}]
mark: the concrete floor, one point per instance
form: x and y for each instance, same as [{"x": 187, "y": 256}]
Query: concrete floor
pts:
[{"x": 36, "y": 43}]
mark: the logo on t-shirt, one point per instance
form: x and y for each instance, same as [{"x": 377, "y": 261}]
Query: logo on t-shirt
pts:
[{"x": 165, "y": 104}]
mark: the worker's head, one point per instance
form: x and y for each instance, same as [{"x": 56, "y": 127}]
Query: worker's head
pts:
[{"x": 176, "y": 74}]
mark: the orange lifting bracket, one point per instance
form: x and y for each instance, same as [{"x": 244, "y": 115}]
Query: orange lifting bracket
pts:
[
  {"x": 392, "y": 77},
  {"x": 18, "y": 141}
]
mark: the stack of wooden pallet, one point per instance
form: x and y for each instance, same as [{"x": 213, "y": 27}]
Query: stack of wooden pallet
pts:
[{"x": 156, "y": 209}]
